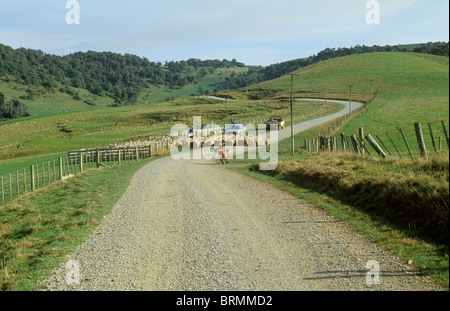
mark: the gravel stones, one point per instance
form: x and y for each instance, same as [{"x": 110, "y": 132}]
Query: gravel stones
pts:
[{"x": 194, "y": 225}]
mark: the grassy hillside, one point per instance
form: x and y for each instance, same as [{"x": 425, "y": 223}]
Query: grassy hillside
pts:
[
  {"x": 413, "y": 87},
  {"x": 51, "y": 102},
  {"x": 207, "y": 83},
  {"x": 400, "y": 204},
  {"x": 55, "y": 102}
]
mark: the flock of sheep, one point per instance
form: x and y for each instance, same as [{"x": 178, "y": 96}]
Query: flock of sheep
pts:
[{"x": 196, "y": 139}]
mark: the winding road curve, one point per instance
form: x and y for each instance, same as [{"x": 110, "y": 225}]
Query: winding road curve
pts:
[{"x": 188, "y": 225}]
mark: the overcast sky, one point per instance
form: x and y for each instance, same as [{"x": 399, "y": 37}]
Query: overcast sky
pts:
[{"x": 256, "y": 32}]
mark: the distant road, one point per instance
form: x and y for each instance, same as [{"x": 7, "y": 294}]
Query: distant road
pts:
[
  {"x": 303, "y": 126},
  {"x": 218, "y": 98}
]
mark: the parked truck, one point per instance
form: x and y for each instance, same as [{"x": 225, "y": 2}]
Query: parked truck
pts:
[{"x": 277, "y": 120}]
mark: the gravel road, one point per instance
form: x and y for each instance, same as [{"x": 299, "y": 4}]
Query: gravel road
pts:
[
  {"x": 191, "y": 225},
  {"x": 306, "y": 125}
]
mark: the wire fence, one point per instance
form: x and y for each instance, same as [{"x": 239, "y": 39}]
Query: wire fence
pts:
[
  {"x": 418, "y": 141},
  {"x": 36, "y": 176}
]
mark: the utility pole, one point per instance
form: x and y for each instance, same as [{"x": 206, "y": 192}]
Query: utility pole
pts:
[
  {"x": 292, "y": 113},
  {"x": 350, "y": 106},
  {"x": 228, "y": 88}
]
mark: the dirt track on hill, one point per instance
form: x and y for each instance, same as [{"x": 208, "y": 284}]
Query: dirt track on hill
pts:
[{"x": 191, "y": 225}]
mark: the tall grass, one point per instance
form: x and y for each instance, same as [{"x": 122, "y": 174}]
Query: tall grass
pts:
[
  {"x": 400, "y": 204},
  {"x": 412, "y": 195}
]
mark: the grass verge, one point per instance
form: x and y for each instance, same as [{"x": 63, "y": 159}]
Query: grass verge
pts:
[
  {"x": 402, "y": 205},
  {"x": 39, "y": 229}
]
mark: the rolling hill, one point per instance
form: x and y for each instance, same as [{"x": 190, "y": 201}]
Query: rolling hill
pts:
[
  {"x": 402, "y": 204},
  {"x": 412, "y": 88},
  {"x": 49, "y": 84}
]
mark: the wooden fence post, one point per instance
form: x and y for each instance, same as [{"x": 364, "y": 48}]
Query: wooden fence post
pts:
[
  {"x": 406, "y": 143},
  {"x": 362, "y": 146},
  {"x": 356, "y": 147},
  {"x": 17, "y": 183},
  {"x": 81, "y": 162},
  {"x": 48, "y": 172},
  {"x": 33, "y": 185},
  {"x": 348, "y": 142},
  {"x": 60, "y": 168},
  {"x": 10, "y": 186},
  {"x": 385, "y": 147},
  {"x": 24, "y": 181},
  {"x": 43, "y": 174},
  {"x": 420, "y": 141},
  {"x": 119, "y": 157},
  {"x": 376, "y": 147},
  {"x": 343, "y": 141},
  {"x": 361, "y": 138},
  {"x": 97, "y": 158},
  {"x": 137, "y": 154},
  {"x": 395, "y": 146},
  {"x": 445, "y": 131},
  {"x": 432, "y": 138}
]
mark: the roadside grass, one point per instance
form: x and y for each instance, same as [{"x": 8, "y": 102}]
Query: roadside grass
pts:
[
  {"x": 13, "y": 165},
  {"x": 392, "y": 202},
  {"x": 429, "y": 258},
  {"x": 39, "y": 229}
]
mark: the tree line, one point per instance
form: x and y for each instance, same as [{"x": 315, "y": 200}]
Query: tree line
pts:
[{"x": 121, "y": 77}]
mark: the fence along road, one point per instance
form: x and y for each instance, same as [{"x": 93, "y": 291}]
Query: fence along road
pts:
[{"x": 193, "y": 225}]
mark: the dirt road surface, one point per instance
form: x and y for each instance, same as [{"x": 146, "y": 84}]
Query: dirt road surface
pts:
[{"x": 188, "y": 225}]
